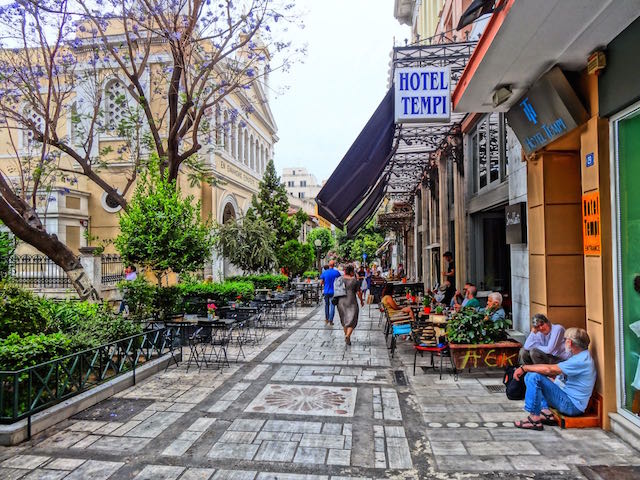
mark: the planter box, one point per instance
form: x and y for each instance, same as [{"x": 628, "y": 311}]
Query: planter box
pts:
[{"x": 485, "y": 355}]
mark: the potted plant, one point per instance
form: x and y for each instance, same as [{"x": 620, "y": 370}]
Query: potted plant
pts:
[
  {"x": 438, "y": 315},
  {"x": 426, "y": 303},
  {"x": 476, "y": 341},
  {"x": 211, "y": 311}
]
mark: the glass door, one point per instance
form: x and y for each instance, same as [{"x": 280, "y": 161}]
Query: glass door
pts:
[{"x": 627, "y": 142}]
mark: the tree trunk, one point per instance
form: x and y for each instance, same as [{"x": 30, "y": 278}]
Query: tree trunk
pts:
[{"x": 53, "y": 248}]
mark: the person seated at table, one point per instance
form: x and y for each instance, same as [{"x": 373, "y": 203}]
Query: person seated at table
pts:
[
  {"x": 445, "y": 293},
  {"x": 566, "y": 386},
  {"x": 470, "y": 300},
  {"x": 400, "y": 275},
  {"x": 395, "y": 310},
  {"x": 391, "y": 275},
  {"x": 494, "y": 310},
  {"x": 545, "y": 343}
]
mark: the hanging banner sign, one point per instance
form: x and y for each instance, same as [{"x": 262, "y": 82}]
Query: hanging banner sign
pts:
[
  {"x": 549, "y": 110},
  {"x": 591, "y": 223},
  {"x": 422, "y": 95}
]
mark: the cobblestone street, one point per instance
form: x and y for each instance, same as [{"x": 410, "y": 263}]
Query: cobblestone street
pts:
[{"x": 302, "y": 405}]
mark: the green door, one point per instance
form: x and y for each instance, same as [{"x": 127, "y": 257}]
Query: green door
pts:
[{"x": 629, "y": 198}]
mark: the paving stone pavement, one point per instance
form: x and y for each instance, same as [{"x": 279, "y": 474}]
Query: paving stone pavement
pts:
[{"x": 302, "y": 405}]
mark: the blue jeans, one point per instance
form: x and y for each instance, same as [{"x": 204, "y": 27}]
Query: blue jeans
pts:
[
  {"x": 329, "y": 308},
  {"x": 543, "y": 393}
]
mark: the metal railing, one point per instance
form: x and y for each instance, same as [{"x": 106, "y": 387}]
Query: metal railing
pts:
[
  {"x": 31, "y": 390},
  {"x": 37, "y": 271},
  {"x": 112, "y": 269}
]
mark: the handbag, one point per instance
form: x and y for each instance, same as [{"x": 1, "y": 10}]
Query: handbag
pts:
[
  {"x": 370, "y": 299},
  {"x": 515, "y": 389},
  {"x": 339, "y": 289}
]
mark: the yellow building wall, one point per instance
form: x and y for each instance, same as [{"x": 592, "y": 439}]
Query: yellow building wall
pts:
[{"x": 572, "y": 288}]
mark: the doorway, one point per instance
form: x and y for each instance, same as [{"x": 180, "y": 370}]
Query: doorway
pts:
[
  {"x": 492, "y": 261},
  {"x": 627, "y": 256}
]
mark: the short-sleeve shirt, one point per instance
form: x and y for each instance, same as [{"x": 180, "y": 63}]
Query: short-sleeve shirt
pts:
[
  {"x": 329, "y": 276},
  {"x": 452, "y": 278},
  {"x": 578, "y": 379}
]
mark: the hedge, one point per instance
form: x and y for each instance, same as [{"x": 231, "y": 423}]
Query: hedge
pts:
[{"x": 271, "y": 282}]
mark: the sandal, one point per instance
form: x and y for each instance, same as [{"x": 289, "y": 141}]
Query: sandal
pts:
[
  {"x": 548, "y": 419},
  {"x": 533, "y": 425}
]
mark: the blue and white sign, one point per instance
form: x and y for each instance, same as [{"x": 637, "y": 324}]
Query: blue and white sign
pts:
[
  {"x": 589, "y": 160},
  {"x": 364, "y": 255},
  {"x": 549, "y": 110},
  {"x": 422, "y": 95}
]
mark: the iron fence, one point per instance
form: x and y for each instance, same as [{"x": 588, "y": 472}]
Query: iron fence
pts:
[
  {"x": 112, "y": 269},
  {"x": 31, "y": 390},
  {"x": 37, "y": 271}
]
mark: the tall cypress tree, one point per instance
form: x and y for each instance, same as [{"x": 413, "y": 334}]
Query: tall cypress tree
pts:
[{"x": 272, "y": 206}]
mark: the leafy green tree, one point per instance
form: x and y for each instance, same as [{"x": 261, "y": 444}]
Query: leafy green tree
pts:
[
  {"x": 272, "y": 206},
  {"x": 296, "y": 257},
  {"x": 325, "y": 237},
  {"x": 161, "y": 230},
  {"x": 247, "y": 243},
  {"x": 367, "y": 240}
]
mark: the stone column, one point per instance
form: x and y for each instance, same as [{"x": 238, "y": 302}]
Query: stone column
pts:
[{"x": 92, "y": 265}]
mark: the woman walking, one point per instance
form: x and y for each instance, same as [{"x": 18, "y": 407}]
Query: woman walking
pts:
[{"x": 348, "y": 304}]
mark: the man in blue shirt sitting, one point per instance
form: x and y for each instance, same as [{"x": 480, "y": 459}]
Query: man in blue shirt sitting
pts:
[
  {"x": 571, "y": 389},
  {"x": 329, "y": 276},
  {"x": 545, "y": 343}
]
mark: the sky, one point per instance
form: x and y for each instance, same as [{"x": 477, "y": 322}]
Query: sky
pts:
[{"x": 330, "y": 97}]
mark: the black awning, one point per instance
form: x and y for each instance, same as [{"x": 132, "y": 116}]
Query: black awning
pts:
[
  {"x": 361, "y": 167},
  {"x": 367, "y": 209}
]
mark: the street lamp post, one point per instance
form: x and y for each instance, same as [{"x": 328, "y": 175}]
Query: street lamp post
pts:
[{"x": 318, "y": 243}]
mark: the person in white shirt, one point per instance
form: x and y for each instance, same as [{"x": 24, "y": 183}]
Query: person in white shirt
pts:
[{"x": 545, "y": 343}]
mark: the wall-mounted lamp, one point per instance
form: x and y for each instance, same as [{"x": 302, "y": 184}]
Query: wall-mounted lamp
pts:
[{"x": 501, "y": 95}]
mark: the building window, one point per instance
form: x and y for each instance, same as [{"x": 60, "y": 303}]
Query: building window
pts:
[
  {"x": 300, "y": 194},
  {"x": 294, "y": 173},
  {"x": 488, "y": 152},
  {"x": 303, "y": 183},
  {"x": 291, "y": 183},
  {"x": 116, "y": 102}
]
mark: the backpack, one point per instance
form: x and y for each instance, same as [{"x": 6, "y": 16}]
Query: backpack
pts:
[
  {"x": 515, "y": 389},
  {"x": 339, "y": 289}
]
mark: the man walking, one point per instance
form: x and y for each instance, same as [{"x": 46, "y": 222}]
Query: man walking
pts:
[{"x": 329, "y": 276}]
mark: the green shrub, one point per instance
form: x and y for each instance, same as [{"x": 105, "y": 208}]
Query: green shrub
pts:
[
  {"x": 311, "y": 274},
  {"x": 268, "y": 281},
  {"x": 140, "y": 296},
  {"x": 18, "y": 352},
  {"x": 220, "y": 293},
  {"x": 20, "y": 311},
  {"x": 471, "y": 326},
  {"x": 88, "y": 324}
]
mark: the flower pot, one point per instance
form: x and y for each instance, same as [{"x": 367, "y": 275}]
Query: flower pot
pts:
[
  {"x": 485, "y": 355},
  {"x": 427, "y": 310},
  {"x": 404, "y": 280},
  {"x": 438, "y": 318}
]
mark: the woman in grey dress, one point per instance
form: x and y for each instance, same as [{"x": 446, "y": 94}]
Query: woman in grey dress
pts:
[{"x": 348, "y": 304}]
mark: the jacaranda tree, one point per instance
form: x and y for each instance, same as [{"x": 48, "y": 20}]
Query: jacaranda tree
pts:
[{"x": 150, "y": 74}]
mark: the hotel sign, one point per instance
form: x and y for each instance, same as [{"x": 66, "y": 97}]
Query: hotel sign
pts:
[
  {"x": 422, "y": 95},
  {"x": 549, "y": 110}
]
